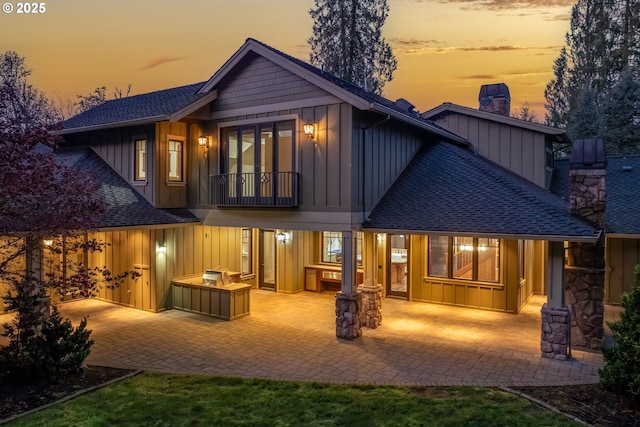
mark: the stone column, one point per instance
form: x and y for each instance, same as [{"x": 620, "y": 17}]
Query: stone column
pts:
[
  {"x": 555, "y": 341},
  {"x": 348, "y": 300},
  {"x": 371, "y": 312},
  {"x": 584, "y": 275},
  {"x": 348, "y": 309}
]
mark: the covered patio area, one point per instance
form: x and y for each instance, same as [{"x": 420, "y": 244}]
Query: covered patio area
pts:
[{"x": 292, "y": 337}]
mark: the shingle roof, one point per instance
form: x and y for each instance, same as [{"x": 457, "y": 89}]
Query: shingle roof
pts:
[
  {"x": 622, "y": 215},
  {"x": 125, "y": 207},
  {"x": 447, "y": 189},
  {"x": 148, "y": 105}
]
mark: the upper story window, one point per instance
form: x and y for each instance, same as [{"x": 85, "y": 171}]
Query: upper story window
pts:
[
  {"x": 464, "y": 258},
  {"x": 176, "y": 159},
  {"x": 332, "y": 247},
  {"x": 257, "y": 164},
  {"x": 258, "y": 148},
  {"x": 140, "y": 160}
]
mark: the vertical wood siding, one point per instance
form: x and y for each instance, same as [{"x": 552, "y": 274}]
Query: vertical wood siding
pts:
[
  {"x": 380, "y": 154},
  {"x": 622, "y": 255},
  {"x": 291, "y": 257},
  {"x": 190, "y": 250},
  {"x": 261, "y": 82},
  {"x": 116, "y": 147},
  {"x": 520, "y": 150},
  {"x": 174, "y": 195}
]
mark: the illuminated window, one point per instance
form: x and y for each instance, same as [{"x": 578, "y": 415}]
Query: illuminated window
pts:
[
  {"x": 332, "y": 247},
  {"x": 247, "y": 267},
  {"x": 176, "y": 160},
  {"x": 140, "y": 160},
  {"x": 464, "y": 258}
]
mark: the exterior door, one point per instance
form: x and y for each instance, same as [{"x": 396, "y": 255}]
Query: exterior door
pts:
[
  {"x": 267, "y": 273},
  {"x": 398, "y": 271}
]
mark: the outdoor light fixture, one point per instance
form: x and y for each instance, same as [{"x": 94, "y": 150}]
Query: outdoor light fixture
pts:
[
  {"x": 281, "y": 237},
  {"x": 309, "y": 129},
  {"x": 203, "y": 141},
  {"x": 162, "y": 249},
  {"x": 47, "y": 242}
]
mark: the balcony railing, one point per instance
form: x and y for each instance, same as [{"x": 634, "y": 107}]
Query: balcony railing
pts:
[{"x": 255, "y": 189}]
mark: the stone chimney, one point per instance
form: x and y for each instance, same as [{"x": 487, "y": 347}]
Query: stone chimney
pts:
[
  {"x": 584, "y": 270},
  {"x": 495, "y": 98}
]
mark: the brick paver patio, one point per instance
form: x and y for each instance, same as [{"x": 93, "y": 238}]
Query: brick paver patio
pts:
[{"x": 292, "y": 337}]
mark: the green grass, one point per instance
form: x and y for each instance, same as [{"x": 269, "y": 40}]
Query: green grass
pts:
[{"x": 175, "y": 400}]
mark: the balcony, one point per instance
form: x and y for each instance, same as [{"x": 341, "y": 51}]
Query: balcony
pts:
[{"x": 260, "y": 189}]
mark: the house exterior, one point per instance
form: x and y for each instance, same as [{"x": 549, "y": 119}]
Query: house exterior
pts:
[{"x": 300, "y": 181}]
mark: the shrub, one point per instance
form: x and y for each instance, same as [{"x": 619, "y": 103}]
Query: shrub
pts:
[
  {"x": 59, "y": 348},
  {"x": 621, "y": 371}
]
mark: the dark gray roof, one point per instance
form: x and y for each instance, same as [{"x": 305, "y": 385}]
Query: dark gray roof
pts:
[
  {"x": 447, "y": 189},
  {"x": 125, "y": 207},
  {"x": 148, "y": 105},
  {"x": 622, "y": 215}
]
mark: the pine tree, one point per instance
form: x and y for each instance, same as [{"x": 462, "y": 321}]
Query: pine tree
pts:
[
  {"x": 585, "y": 117},
  {"x": 347, "y": 41},
  {"x": 556, "y": 93},
  {"x": 621, "y": 115}
]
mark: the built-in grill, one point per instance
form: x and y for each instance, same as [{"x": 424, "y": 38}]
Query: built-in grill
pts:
[{"x": 211, "y": 277}]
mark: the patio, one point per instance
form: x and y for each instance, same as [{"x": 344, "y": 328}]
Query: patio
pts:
[{"x": 292, "y": 337}]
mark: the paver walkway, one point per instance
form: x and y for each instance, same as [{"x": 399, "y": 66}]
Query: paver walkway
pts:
[{"x": 292, "y": 337}]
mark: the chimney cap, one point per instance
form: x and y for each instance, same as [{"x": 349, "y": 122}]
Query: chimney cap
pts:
[
  {"x": 588, "y": 154},
  {"x": 491, "y": 91}
]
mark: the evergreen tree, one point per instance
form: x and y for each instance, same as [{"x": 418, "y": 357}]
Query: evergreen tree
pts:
[
  {"x": 347, "y": 41},
  {"x": 556, "y": 93},
  {"x": 621, "y": 115},
  {"x": 585, "y": 117}
]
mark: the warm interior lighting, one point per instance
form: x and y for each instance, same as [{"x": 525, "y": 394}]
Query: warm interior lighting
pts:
[
  {"x": 309, "y": 130},
  {"x": 466, "y": 247},
  {"x": 281, "y": 237},
  {"x": 162, "y": 249},
  {"x": 47, "y": 242},
  {"x": 203, "y": 141}
]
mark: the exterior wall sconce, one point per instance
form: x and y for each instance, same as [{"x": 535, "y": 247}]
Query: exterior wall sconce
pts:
[
  {"x": 203, "y": 141},
  {"x": 309, "y": 130},
  {"x": 47, "y": 242},
  {"x": 162, "y": 249},
  {"x": 281, "y": 237}
]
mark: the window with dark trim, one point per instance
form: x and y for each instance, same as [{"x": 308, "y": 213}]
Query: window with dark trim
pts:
[
  {"x": 332, "y": 247},
  {"x": 140, "y": 160},
  {"x": 464, "y": 258},
  {"x": 247, "y": 264},
  {"x": 176, "y": 159}
]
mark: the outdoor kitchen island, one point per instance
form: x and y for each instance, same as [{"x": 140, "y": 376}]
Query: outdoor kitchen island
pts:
[{"x": 223, "y": 300}]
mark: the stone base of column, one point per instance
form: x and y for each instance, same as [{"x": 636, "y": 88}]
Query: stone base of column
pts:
[
  {"x": 556, "y": 333},
  {"x": 371, "y": 313},
  {"x": 348, "y": 309}
]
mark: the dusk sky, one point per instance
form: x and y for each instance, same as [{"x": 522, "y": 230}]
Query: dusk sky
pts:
[{"x": 445, "y": 48}]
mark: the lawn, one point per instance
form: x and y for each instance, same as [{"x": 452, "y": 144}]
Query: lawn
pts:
[{"x": 176, "y": 400}]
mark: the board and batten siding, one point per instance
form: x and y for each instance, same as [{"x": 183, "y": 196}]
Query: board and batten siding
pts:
[
  {"x": 622, "y": 256},
  {"x": 116, "y": 147},
  {"x": 382, "y": 150},
  {"x": 170, "y": 195},
  {"x": 502, "y": 296},
  {"x": 262, "y": 82},
  {"x": 291, "y": 257},
  {"x": 519, "y": 150},
  {"x": 190, "y": 250}
]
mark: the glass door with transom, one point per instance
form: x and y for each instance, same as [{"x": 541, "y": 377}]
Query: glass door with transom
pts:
[
  {"x": 397, "y": 254},
  {"x": 267, "y": 273}
]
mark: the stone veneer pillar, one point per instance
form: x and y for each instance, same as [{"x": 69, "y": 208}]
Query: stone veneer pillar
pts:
[
  {"x": 348, "y": 308},
  {"x": 371, "y": 311},
  {"x": 584, "y": 272},
  {"x": 556, "y": 333}
]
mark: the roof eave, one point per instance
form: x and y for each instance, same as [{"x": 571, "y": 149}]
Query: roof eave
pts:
[
  {"x": 548, "y": 237},
  {"x": 123, "y": 123},
  {"x": 419, "y": 123},
  {"x": 194, "y": 106}
]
